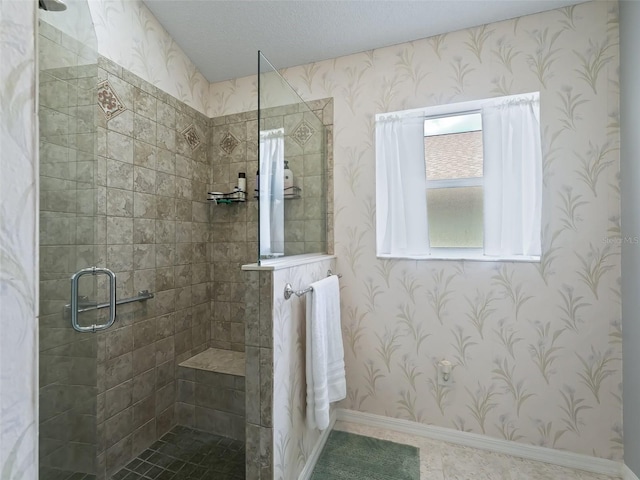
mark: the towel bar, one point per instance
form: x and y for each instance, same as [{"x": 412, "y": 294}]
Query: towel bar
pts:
[
  {"x": 87, "y": 306},
  {"x": 288, "y": 289}
]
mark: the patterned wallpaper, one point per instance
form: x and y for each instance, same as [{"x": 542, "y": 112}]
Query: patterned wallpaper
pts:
[
  {"x": 536, "y": 347},
  {"x": 130, "y": 35},
  {"x": 18, "y": 246}
]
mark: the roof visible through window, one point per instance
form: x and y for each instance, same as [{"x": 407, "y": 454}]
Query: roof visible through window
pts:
[{"x": 454, "y": 155}]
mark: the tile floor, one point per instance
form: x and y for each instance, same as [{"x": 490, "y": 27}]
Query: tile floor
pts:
[
  {"x": 55, "y": 474},
  {"x": 187, "y": 454},
  {"x": 443, "y": 461}
]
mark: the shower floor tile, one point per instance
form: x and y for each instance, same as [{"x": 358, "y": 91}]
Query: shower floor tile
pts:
[
  {"x": 187, "y": 454},
  {"x": 55, "y": 474}
]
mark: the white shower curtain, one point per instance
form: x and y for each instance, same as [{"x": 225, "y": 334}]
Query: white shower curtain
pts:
[
  {"x": 401, "y": 187},
  {"x": 512, "y": 178},
  {"x": 271, "y": 191}
]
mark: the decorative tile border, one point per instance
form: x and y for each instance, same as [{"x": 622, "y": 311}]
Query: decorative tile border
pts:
[
  {"x": 229, "y": 143},
  {"x": 302, "y": 133},
  {"x": 191, "y": 136},
  {"x": 108, "y": 101}
]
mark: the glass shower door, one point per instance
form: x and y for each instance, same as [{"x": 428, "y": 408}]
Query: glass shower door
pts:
[
  {"x": 70, "y": 240},
  {"x": 293, "y": 173}
]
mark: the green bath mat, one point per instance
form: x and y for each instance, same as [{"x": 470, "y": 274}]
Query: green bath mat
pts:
[{"x": 347, "y": 456}]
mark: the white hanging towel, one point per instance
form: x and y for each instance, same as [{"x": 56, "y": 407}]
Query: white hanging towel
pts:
[{"x": 326, "y": 381}]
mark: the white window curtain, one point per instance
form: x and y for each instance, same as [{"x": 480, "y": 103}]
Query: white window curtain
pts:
[
  {"x": 513, "y": 178},
  {"x": 271, "y": 193},
  {"x": 401, "y": 199}
]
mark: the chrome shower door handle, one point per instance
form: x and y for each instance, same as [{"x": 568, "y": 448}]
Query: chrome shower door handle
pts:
[{"x": 74, "y": 299}]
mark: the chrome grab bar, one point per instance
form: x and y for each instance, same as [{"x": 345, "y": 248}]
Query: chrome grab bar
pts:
[
  {"x": 86, "y": 306},
  {"x": 289, "y": 291},
  {"x": 74, "y": 299}
]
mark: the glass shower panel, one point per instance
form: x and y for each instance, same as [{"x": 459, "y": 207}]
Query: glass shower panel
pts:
[
  {"x": 69, "y": 229},
  {"x": 292, "y": 168}
]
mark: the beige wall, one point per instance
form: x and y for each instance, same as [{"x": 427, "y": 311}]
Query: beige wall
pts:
[
  {"x": 536, "y": 347},
  {"x": 18, "y": 241},
  {"x": 130, "y": 35}
]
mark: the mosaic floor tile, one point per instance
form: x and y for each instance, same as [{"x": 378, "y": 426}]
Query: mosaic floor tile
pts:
[
  {"x": 187, "y": 454},
  {"x": 56, "y": 474}
]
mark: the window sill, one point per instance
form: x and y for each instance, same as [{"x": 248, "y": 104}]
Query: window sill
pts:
[{"x": 461, "y": 256}]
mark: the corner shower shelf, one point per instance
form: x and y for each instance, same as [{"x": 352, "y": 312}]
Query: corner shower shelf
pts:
[
  {"x": 295, "y": 192},
  {"x": 231, "y": 197}
]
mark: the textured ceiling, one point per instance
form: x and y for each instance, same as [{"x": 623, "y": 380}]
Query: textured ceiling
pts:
[{"x": 222, "y": 37}]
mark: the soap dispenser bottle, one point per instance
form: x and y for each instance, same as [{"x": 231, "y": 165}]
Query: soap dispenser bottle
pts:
[
  {"x": 288, "y": 179},
  {"x": 241, "y": 189}
]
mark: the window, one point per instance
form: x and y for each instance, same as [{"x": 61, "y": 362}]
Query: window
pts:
[
  {"x": 453, "y": 164},
  {"x": 460, "y": 181}
]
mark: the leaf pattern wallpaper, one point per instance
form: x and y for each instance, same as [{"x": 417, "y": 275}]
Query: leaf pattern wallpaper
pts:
[
  {"x": 130, "y": 35},
  {"x": 18, "y": 242},
  {"x": 536, "y": 347}
]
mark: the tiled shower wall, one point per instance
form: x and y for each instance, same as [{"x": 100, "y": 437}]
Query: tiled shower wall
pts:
[
  {"x": 259, "y": 375},
  {"x": 234, "y": 149},
  {"x": 211, "y": 401},
  {"x": 152, "y": 172}
]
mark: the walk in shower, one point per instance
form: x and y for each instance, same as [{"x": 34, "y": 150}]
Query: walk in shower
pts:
[{"x": 125, "y": 218}]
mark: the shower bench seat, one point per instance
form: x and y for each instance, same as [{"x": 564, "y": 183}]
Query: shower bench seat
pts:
[
  {"x": 217, "y": 360},
  {"x": 211, "y": 393}
]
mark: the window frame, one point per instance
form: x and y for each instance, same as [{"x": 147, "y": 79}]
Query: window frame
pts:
[
  {"x": 449, "y": 110},
  {"x": 455, "y": 183}
]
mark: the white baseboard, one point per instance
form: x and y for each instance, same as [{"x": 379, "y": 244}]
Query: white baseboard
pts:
[
  {"x": 531, "y": 452},
  {"x": 627, "y": 474},
  {"x": 306, "y": 472}
]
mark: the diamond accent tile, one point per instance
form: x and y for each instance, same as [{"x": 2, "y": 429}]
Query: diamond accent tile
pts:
[
  {"x": 302, "y": 133},
  {"x": 229, "y": 143},
  {"x": 108, "y": 101},
  {"x": 190, "y": 134}
]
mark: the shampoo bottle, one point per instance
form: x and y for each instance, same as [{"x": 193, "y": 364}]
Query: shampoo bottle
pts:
[
  {"x": 288, "y": 179},
  {"x": 242, "y": 185}
]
